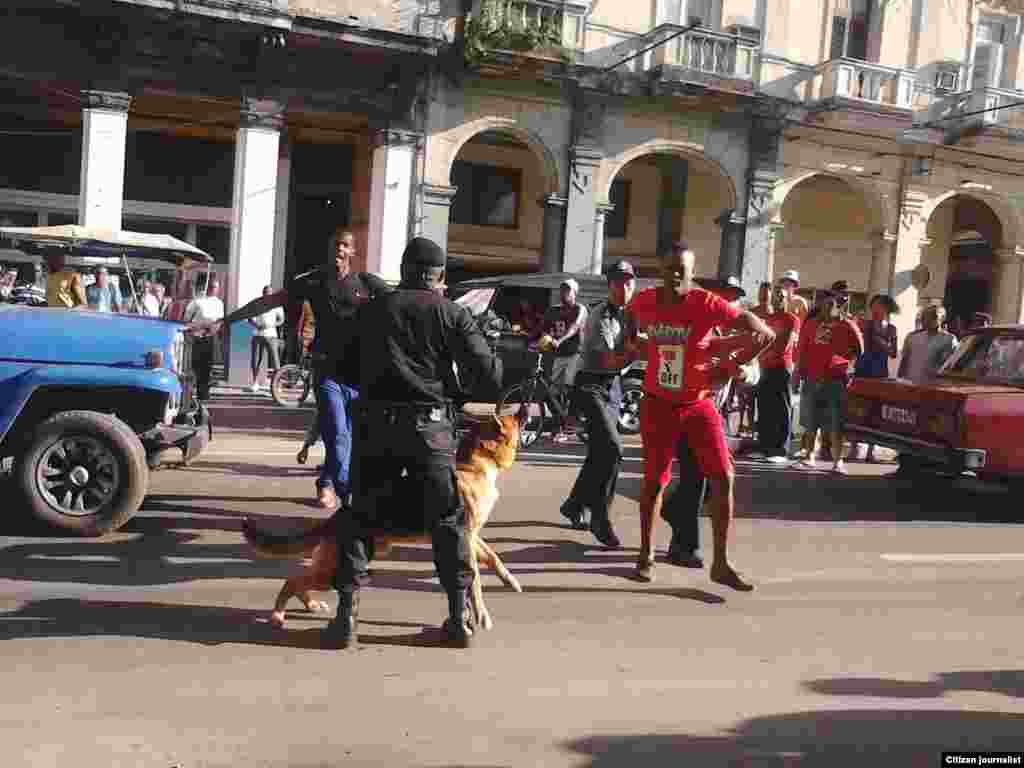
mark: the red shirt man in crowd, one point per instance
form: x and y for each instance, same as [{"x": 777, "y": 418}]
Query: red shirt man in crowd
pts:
[
  {"x": 774, "y": 404},
  {"x": 829, "y": 343},
  {"x": 678, "y": 320}
]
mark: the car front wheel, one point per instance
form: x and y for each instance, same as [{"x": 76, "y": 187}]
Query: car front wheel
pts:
[{"x": 84, "y": 472}]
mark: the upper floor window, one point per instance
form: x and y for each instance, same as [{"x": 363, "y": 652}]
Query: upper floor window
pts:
[
  {"x": 851, "y": 21},
  {"x": 990, "y": 39},
  {"x": 680, "y": 11},
  {"x": 486, "y": 196}
]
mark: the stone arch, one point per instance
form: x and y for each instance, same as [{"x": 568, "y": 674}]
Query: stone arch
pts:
[
  {"x": 1009, "y": 219},
  {"x": 611, "y": 166},
  {"x": 869, "y": 193},
  {"x": 458, "y": 137}
]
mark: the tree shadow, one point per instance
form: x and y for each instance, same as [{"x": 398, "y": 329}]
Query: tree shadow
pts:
[
  {"x": 1005, "y": 681},
  {"x": 818, "y": 739}
]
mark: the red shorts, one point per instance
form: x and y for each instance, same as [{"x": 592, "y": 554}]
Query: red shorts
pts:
[{"x": 664, "y": 424}]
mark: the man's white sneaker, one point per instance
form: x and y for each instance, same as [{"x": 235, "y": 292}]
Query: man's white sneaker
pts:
[
  {"x": 839, "y": 468},
  {"x": 807, "y": 464},
  {"x": 254, "y": 388},
  {"x": 777, "y": 460}
]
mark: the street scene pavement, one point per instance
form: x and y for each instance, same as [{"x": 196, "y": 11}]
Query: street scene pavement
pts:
[{"x": 885, "y": 629}]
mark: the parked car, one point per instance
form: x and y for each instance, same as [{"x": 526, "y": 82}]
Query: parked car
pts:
[
  {"x": 90, "y": 401},
  {"x": 497, "y": 303},
  {"x": 968, "y": 418}
]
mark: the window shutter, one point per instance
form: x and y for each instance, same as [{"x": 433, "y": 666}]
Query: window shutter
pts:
[
  {"x": 836, "y": 49},
  {"x": 988, "y": 65}
]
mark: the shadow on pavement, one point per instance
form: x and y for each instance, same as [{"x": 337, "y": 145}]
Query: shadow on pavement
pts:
[
  {"x": 1004, "y": 681},
  {"x": 818, "y": 739},
  {"x": 807, "y": 496}
]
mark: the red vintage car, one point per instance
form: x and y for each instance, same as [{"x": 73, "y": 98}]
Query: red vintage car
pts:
[{"x": 970, "y": 417}]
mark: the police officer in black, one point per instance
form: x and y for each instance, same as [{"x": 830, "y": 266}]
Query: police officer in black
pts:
[{"x": 400, "y": 355}]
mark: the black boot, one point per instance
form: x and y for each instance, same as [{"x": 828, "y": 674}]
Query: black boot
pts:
[
  {"x": 340, "y": 633},
  {"x": 457, "y": 629},
  {"x": 682, "y": 554}
]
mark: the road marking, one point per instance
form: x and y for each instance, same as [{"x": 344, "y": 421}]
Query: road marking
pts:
[{"x": 955, "y": 557}]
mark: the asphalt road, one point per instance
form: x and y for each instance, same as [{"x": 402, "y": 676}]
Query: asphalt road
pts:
[{"x": 885, "y": 628}]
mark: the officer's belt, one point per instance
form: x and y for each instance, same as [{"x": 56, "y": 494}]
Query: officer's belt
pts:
[{"x": 432, "y": 411}]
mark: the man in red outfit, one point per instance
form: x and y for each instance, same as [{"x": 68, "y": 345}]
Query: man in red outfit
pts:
[{"x": 678, "y": 319}]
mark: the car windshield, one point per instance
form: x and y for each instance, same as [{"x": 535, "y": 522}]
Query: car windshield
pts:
[
  {"x": 989, "y": 356},
  {"x": 476, "y": 300}
]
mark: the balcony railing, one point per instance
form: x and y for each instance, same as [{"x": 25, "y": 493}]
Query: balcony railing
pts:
[
  {"x": 982, "y": 107},
  {"x": 718, "y": 54},
  {"x": 526, "y": 24},
  {"x": 864, "y": 81}
]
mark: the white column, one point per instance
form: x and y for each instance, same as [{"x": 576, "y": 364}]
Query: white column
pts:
[
  {"x": 251, "y": 255},
  {"x": 391, "y": 186},
  {"x": 104, "y": 135},
  {"x": 596, "y": 266},
  {"x": 1008, "y": 304},
  {"x": 881, "y": 263},
  {"x": 584, "y": 246},
  {"x": 284, "y": 180}
]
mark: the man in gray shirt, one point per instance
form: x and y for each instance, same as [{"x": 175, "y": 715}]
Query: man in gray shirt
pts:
[
  {"x": 599, "y": 399},
  {"x": 925, "y": 351}
]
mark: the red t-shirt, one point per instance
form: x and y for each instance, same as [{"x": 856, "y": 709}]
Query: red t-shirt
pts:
[
  {"x": 825, "y": 348},
  {"x": 679, "y": 335},
  {"x": 777, "y": 355}
]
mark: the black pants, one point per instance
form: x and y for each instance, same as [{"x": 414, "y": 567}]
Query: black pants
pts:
[
  {"x": 684, "y": 500},
  {"x": 775, "y": 412},
  {"x": 388, "y": 443},
  {"x": 599, "y": 400},
  {"x": 202, "y": 364}
]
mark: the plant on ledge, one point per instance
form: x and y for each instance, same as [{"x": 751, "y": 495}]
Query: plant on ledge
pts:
[{"x": 513, "y": 25}]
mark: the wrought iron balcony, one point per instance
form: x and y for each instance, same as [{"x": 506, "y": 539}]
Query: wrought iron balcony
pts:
[
  {"x": 526, "y": 25},
  {"x": 978, "y": 108}
]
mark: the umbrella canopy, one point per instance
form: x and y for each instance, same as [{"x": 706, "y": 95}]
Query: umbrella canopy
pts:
[{"x": 106, "y": 243}]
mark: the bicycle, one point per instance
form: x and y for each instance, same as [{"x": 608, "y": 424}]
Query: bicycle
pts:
[
  {"x": 534, "y": 400},
  {"x": 292, "y": 384}
]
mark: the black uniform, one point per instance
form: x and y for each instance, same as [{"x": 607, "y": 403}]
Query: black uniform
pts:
[{"x": 400, "y": 355}]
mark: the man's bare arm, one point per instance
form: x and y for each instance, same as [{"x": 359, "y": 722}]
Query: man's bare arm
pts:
[
  {"x": 763, "y": 335},
  {"x": 254, "y": 308}
]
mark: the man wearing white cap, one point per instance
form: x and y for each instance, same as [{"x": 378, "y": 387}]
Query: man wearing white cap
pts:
[
  {"x": 564, "y": 324},
  {"x": 797, "y": 305}
]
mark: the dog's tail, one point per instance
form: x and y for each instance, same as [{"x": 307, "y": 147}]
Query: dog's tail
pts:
[{"x": 285, "y": 544}]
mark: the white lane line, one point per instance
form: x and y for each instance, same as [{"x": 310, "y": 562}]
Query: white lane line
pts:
[{"x": 955, "y": 557}]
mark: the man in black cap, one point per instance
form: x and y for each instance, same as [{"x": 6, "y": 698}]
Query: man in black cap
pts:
[
  {"x": 599, "y": 400},
  {"x": 400, "y": 354}
]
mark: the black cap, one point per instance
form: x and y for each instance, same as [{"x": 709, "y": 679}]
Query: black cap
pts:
[
  {"x": 840, "y": 286},
  {"x": 717, "y": 284},
  {"x": 620, "y": 269},
  {"x": 423, "y": 252}
]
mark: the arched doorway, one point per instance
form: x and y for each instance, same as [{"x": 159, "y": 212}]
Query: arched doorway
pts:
[
  {"x": 965, "y": 234},
  {"x": 661, "y": 196},
  {"x": 826, "y": 237},
  {"x": 496, "y": 218}
]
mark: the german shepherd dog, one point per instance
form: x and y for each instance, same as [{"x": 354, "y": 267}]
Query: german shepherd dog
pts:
[{"x": 489, "y": 447}]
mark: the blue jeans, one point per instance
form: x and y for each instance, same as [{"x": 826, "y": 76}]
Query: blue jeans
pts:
[{"x": 336, "y": 400}]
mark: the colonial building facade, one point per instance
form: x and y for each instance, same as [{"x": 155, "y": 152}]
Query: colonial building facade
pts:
[{"x": 846, "y": 139}]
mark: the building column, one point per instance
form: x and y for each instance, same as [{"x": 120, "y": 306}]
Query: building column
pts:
[
  {"x": 747, "y": 241},
  {"x": 672, "y": 200},
  {"x": 104, "y": 136},
  {"x": 881, "y": 263},
  {"x": 1008, "y": 306},
  {"x": 282, "y": 203},
  {"x": 391, "y": 186},
  {"x": 910, "y": 251},
  {"x": 596, "y": 266},
  {"x": 581, "y": 217},
  {"x": 554, "y": 232},
  {"x": 437, "y": 206},
  {"x": 253, "y": 214}
]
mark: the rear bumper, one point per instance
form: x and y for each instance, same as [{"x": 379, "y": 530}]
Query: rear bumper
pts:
[
  {"x": 950, "y": 459},
  {"x": 190, "y": 438}
]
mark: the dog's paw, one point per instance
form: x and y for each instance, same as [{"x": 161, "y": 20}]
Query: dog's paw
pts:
[
  {"x": 318, "y": 606},
  {"x": 514, "y": 583},
  {"x": 277, "y": 619},
  {"x": 485, "y": 620}
]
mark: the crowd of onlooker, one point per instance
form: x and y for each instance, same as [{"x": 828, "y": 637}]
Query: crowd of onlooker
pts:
[
  {"x": 56, "y": 284},
  {"x": 821, "y": 349}
]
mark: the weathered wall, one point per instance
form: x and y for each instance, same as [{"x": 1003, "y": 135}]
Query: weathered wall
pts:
[{"x": 433, "y": 18}]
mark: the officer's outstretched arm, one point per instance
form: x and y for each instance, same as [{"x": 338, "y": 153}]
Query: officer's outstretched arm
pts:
[{"x": 473, "y": 354}]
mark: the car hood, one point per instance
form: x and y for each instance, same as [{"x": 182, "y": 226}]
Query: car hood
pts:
[{"x": 80, "y": 336}]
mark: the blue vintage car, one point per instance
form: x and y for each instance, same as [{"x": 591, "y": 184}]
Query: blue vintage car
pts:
[{"x": 89, "y": 403}]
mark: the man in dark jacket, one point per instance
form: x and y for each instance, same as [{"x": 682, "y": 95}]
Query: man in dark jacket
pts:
[{"x": 400, "y": 354}]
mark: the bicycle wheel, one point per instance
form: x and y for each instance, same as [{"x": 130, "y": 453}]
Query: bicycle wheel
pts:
[
  {"x": 527, "y": 402},
  {"x": 290, "y": 386},
  {"x": 731, "y": 409}
]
